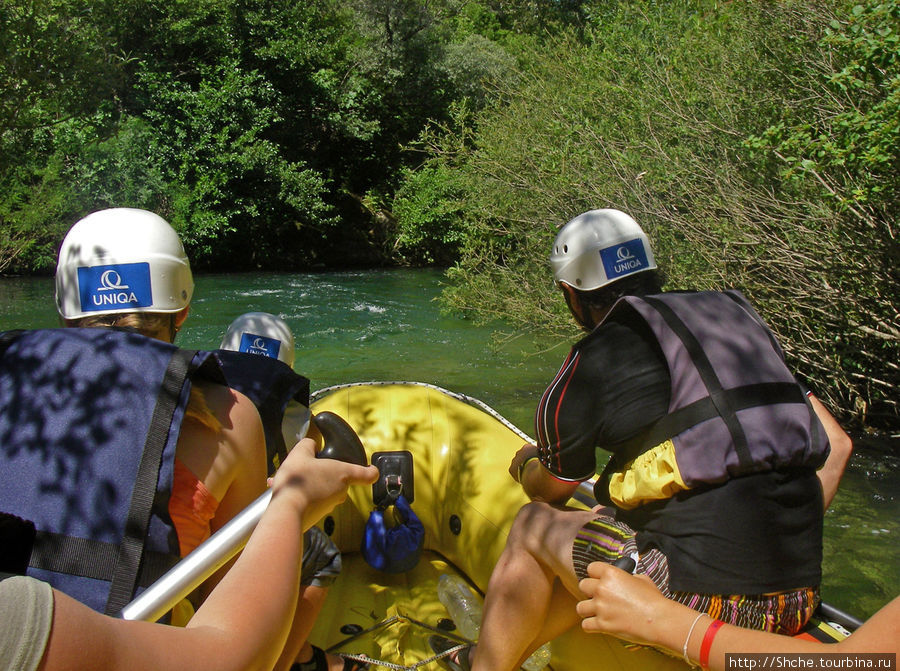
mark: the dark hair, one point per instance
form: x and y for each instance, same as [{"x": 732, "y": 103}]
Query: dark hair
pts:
[{"x": 639, "y": 284}]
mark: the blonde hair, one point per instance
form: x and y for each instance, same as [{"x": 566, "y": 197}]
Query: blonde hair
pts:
[
  {"x": 151, "y": 324},
  {"x": 198, "y": 410}
]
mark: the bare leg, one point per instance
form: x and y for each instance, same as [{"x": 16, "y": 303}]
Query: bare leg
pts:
[
  {"x": 527, "y": 595},
  {"x": 298, "y": 648},
  {"x": 561, "y": 617}
]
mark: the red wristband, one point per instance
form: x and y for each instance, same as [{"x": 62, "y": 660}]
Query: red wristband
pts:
[{"x": 708, "y": 641}]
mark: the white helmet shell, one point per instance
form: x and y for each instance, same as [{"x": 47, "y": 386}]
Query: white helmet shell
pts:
[
  {"x": 599, "y": 247},
  {"x": 122, "y": 260},
  {"x": 261, "y": 333}
]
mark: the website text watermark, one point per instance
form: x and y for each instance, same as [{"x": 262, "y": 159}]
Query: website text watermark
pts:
[{"x": 815, "y": 661}]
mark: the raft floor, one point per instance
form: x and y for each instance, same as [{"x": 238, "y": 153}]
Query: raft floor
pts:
[{"x": 390, "y": 618}]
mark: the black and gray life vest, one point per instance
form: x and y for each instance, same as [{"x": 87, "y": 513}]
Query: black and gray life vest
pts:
[
  {"x": 734, "y": 409},
  {"x": 271, "y": 384}
]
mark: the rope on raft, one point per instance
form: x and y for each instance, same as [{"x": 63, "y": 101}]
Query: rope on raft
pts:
[{"x": 371, "y": 661}]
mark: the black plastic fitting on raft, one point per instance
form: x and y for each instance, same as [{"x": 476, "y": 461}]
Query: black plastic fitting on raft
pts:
[{"x": 341, "y": 441}]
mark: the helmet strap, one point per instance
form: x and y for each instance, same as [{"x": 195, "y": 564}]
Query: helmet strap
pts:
[{"x": 173, "y": 328}]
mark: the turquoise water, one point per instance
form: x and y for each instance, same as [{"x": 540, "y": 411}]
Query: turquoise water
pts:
[
  {"x": 386, "y": 325},
  {"x": 379, "y": 325}
]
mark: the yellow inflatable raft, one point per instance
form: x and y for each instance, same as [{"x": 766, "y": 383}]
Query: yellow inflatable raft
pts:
[
  {"x": 455, "y": 457},
  {"x": 466, "y": 502}
]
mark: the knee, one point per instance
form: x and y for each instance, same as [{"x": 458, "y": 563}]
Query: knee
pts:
[{"x": 530, "y": 523}]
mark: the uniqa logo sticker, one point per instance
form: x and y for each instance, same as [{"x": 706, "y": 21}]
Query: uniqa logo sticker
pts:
[
  {"x": 257, "y": 344},
  {"x": 115, "y": 287},
  {"x": 625, "y": 258}
]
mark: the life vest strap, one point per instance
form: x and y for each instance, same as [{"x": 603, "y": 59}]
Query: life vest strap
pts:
[
  {"x": 739, "y": 398},
  {"x": 91, "y": 559},
  {"x": 708, "y": 375},
  {"x": 131, "y": 551}
]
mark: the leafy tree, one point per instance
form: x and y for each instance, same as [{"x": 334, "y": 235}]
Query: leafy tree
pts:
[
  {"x": 428, "y": 210},
  {"x": 837, "y": 147},
  {"x": 245, "y": 201},
  {"x": 656, "y": 115},
  {"x": 53, "y": 67}
]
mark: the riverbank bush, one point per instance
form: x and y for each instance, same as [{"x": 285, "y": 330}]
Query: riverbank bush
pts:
[{"x": 756, "y": 143}]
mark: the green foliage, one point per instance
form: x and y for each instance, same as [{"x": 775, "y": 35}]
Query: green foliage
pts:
[
  {"x": 844, "y": 140},
  {"x": 428, "y": 210},
  {"x": 756, "y": 142},
  {"x": 665, "y": 110},
  {"x": 838, "y": 147},
  {"x": 246, "y": 200},
  {"x": 53, "y": 68},
  {"x": 252, "y": 124}
]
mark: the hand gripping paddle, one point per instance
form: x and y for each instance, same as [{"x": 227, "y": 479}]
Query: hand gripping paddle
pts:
[{"x": 341, "y": 443}]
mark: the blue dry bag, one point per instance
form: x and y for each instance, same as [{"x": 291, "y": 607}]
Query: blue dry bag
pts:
[{"x": 396, "y": 549}]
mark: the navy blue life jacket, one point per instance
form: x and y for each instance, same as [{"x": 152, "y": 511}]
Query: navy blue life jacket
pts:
[
  {"x": 89, "y": 420},
  {"x": 735, "y": 408},
  {"x": 271, "y": 384}
]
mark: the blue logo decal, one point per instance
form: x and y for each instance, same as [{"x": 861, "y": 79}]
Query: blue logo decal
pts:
[
  {"x": 628, "y": 257},
  {"x": 116, "y": 287},
  {"x": 257, "y": 344}
]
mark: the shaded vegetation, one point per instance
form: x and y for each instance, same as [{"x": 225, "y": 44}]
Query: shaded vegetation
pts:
[{"x": 270, "y": 133}]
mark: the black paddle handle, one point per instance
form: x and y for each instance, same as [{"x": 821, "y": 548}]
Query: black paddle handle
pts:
[
  {"x": 341, "y": 441},
  {"x": 627, "y": 564}
]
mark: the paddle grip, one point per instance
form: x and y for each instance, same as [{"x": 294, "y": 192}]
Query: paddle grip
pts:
[
  {"x": 341, "y": 441},
  {"x": 627, "y": 564}
]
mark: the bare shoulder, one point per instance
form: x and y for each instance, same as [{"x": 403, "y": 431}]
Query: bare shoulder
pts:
[
  {"x": 228, "y": 453},
  {"x": 224, "y": 401},
  {"x": 236, "y": 414}
]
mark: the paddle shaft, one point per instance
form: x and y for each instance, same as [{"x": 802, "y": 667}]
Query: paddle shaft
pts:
[{"x": 190, "y": 572}]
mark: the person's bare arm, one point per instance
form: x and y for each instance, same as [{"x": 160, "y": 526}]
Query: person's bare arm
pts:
[
  {"x": 241, "y": 452},
  {"x": 243, "y": 623},
  {"x": 538, "y": 483},
  {"x": 228, "y": 459},
  {"x": 631, "y": 607},
  {"x": 841, "y": 449}
]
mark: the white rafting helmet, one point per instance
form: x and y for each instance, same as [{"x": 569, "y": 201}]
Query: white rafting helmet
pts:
[
  {"x": 122, "y": 260},
  {"x": 599, "y": 247},
  {"x": 261, "y": 333}
]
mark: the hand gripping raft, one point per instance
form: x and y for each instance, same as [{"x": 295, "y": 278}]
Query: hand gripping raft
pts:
[{"x": 341, "y": 443}]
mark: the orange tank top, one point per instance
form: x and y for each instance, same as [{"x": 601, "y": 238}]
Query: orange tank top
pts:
[{"x": 191, "y": 507}]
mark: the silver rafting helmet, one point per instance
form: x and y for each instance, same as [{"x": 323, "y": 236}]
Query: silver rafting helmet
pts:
[
  {"x": 261, "y": 333},
  {"x": 122, "y": 260},
  {"x": 599, "y": 247}
]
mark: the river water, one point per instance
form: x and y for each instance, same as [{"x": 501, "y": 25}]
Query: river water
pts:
[{"x": 386, "y": 325}]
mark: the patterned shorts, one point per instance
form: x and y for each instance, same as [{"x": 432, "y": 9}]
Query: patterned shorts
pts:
[{"x": 604, "y": 539}]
